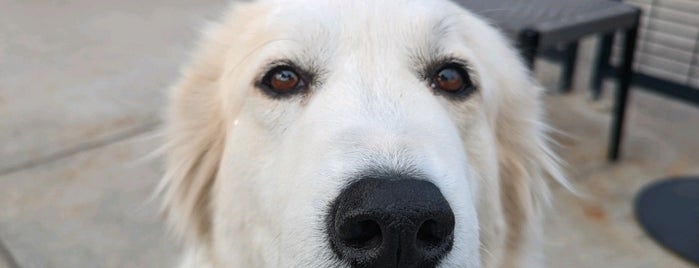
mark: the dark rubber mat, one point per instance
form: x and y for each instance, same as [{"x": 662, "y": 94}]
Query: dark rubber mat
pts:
[{"x": 669, "y": 212}]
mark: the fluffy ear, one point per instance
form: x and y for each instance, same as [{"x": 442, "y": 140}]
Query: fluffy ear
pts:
[
  {"x": 525, "y": 158},
  {"x": 526, "y": 161},
  {"x": 197, "y": 118},
  {"x": 195, "y": 136}
]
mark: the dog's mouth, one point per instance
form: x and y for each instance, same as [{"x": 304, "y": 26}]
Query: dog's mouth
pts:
[{"x": 391, "y": 222}]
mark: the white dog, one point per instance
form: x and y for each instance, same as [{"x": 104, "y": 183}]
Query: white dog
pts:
[{"x": 338, "y": 133}]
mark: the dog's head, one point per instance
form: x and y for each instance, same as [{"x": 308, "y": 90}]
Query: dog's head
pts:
[{"x": 395, "y": 133}]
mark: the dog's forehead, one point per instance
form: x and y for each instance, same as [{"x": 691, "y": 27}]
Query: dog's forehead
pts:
[
  {"x": 359, "y": 12},
  {"x": 387, "y": 24}
]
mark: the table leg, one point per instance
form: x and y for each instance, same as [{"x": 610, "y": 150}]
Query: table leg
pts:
[
  {"x": 565, "y": 83},
  {"x": 622, "y": 93},
  {"x": 529, "y": 47},
  {"x": 601, "y": 65}
]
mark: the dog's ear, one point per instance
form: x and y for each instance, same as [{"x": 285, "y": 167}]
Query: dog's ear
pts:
[
  {"x": 196, "y": 121},
  {"x": 526, "y": 162},
  {"x": 195, "y": 135}
]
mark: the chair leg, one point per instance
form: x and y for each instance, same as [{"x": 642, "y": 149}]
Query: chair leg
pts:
[
  {"x": 565, "y": 82},
  {"x": 622, "y": 93},
  {"x": 529, "y": 47},
  {"x": 602, "y": 65}
]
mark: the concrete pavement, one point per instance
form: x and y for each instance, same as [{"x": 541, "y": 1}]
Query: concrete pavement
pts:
[
  {"x": 81, "y": 86},
  {"x": 76, "y": 72}
]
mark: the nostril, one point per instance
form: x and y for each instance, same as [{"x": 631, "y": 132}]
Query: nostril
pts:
[
  {"x": 364, "y": 234},
  {"x": 433, "y": 234}
]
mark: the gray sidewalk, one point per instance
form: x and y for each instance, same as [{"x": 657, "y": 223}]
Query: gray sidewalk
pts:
[{"x": 81, "y": 88}]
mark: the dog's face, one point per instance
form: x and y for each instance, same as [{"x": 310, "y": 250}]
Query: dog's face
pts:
[{"x": 354, "y": 134}]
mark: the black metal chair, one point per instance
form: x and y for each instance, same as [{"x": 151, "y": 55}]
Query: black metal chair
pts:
[{"x": 539, "y": 25}]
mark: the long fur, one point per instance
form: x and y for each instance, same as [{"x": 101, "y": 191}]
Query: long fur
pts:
[{"x": 510, "y": 198}]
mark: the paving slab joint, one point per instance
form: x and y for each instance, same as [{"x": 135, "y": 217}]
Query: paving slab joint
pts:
[{"x": 121, "y": 136}]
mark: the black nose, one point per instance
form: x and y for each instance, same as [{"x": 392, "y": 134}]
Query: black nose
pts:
[{"x": 391, "y": 222}]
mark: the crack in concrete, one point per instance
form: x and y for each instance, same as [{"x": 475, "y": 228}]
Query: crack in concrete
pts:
[
  {"x": 6, "y": 257},
  {"x": 124, "y": 135}
]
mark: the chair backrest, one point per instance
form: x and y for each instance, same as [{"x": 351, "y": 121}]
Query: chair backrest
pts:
[{"x": 669, "y": 40}]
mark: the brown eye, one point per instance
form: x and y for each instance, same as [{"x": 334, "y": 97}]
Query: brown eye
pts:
[
  {"x": 282, "y": 81},
  {"x": 450, "y": 79}
]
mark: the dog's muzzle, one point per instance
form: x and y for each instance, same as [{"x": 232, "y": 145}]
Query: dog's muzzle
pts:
[{"x": 391, "y": 222}]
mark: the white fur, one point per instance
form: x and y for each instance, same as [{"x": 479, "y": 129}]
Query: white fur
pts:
[{"x": 249, "y": 178}]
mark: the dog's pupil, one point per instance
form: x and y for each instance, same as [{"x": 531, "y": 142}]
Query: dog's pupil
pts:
[
  {"x": 449, "y": 79},
  {"x": 284, "y": 80}
]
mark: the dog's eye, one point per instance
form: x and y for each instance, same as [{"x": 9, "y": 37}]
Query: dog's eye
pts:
[
  {"x": 282, "y": 80},
  {"x": 452, "y": 79}
]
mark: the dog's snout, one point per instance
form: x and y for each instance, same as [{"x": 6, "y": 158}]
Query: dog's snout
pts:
[{"x": 391, "y": 222}]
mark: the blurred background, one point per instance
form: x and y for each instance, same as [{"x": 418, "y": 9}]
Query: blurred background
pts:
[{"x": 82, "y": 85}]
